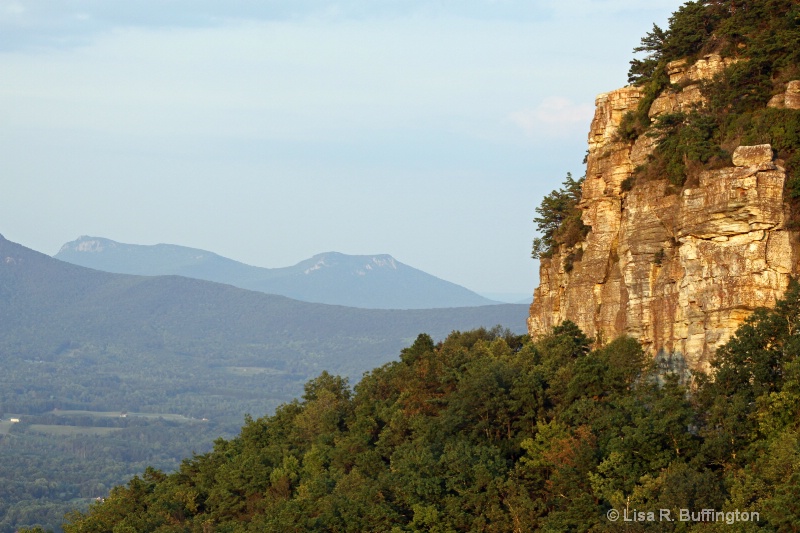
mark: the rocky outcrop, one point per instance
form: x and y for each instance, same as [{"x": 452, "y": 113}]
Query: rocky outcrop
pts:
[
  {"x": 688, "y": 78},
  {"x": 679, "y": 270},
  {"x": 790, "y": 99}
]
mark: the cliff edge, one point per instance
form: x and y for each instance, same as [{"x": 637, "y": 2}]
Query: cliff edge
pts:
[{"x": 678, "y": 268}]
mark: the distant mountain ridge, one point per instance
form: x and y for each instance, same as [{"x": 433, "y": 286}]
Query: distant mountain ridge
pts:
[
  {"x": 366, "y": 281},
  {"x": 49, "y": 308}
]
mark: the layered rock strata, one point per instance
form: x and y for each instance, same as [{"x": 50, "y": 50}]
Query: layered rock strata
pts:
[{"x": 679, "y": 270}]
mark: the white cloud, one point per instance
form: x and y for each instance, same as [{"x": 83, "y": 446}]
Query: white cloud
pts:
[{"x": 555, "y": 115}]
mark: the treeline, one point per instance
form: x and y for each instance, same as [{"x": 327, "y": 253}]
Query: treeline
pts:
[{"x": 491, "y": 432}]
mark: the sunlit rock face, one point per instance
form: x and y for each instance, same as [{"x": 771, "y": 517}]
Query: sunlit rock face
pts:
[
  {"x": 790, "y": 99},
  {"x": 679, "y": 270}
]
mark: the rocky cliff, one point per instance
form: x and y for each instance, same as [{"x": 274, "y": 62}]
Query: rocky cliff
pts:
[{"x": 679, "y": 268}]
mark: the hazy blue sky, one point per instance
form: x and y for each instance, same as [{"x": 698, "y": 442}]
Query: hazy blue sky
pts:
[{"x": 271, "y": 131}]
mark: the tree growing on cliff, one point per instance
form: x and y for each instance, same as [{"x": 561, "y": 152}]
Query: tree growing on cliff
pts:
[
  {"x": 653, "y": 45},
  {"x": 559, "y": 221}
]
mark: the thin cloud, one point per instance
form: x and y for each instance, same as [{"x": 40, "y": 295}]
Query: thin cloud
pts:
[
  {"x": 11, "y": 9},
  {"x": 54, "y": 23},
  {"x": 555, "y": 115}
]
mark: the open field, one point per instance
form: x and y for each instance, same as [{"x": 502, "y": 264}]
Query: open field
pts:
[
  {"x": 120, "y": 414},
  {"x": 253, "y": 370},
  {"x": 68, "y": 431}
]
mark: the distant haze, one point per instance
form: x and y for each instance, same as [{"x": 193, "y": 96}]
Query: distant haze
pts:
[
  {"x": 272, "y": 131},
  {"x": 375, "y": 282}
]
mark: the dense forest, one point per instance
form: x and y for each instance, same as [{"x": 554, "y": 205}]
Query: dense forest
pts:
[{"x": 487, "y": 431}]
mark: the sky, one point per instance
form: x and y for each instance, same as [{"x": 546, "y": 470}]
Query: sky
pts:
[{"x": 271, "y": 131}]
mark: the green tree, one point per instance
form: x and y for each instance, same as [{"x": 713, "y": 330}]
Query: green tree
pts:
[
  {"x": 653, "y": 45},
  {"x": 559, "y": 220}
]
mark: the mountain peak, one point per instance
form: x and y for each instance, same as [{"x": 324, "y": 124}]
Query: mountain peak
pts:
[
  {"x": 359, "y": 264},
  {"x": 371, "y": 281},
  {"x": 86, "y": 243}
]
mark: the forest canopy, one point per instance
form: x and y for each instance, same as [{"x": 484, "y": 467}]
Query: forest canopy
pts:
[{"x": 487, "y": 431}]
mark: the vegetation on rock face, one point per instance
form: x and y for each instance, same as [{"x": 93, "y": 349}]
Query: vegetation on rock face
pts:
[
  {"x": 491, "y": 432},
  {"x": 559, "y": 221},
  {"x": 763, "y": 37}
]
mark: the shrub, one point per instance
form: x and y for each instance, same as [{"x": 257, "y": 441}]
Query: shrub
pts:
[
  {"x": 569, "y": 261},
  {"x": 627, "y": 183},
  {"x": 629, "y": 128}
]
